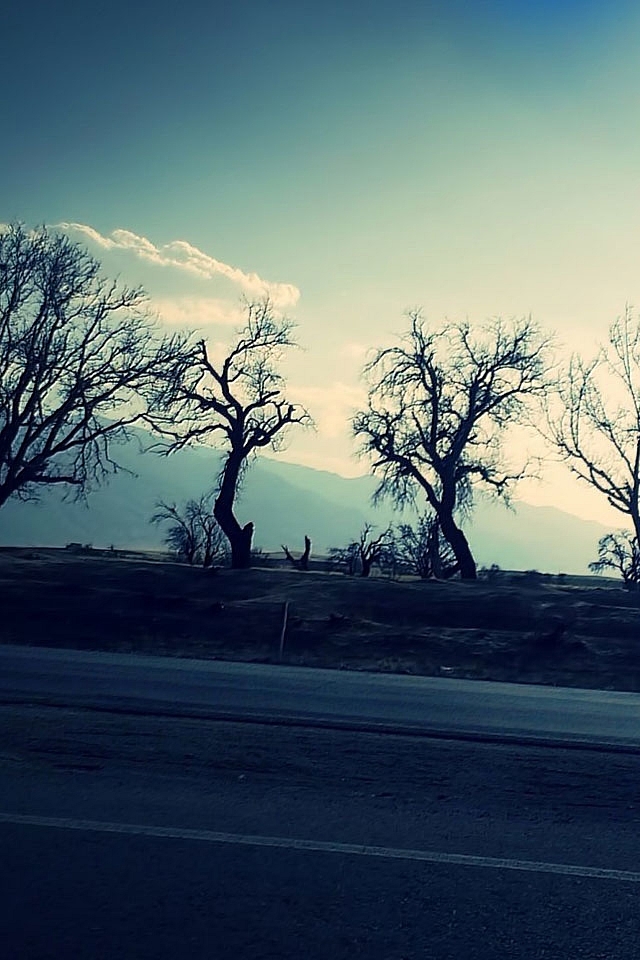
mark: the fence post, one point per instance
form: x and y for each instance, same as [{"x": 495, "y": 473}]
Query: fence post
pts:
[{"x": 285, "y": 614}]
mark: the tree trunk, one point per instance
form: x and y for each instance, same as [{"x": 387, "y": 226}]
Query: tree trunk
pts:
[
  {"x": 302, "y": 563},
  {"x": 366, "y": 564},
  {"x": 241, "y": 547},
  {"x": 452, "y": 532},
  {"x": 434, "y": 564},
  {"x": 239, "y": 537},
  {"x": 304, "y": 559},
  {"x": 460, "y": 546}
]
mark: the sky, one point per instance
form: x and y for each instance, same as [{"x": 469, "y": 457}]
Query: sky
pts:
[{"x": 353, "y": 159}]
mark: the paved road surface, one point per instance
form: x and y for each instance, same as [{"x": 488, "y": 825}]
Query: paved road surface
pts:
[
  {"x": 157, "y": 838},
  {"x": 234, "y": 691},
  {"x": 163, "y": 832}
]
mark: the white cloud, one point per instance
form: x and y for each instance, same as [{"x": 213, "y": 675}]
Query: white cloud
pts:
[
  {"x": 330, "y": 446},
  {"x": 199, "y": 312},
  {"x": 331, "y": 407},
  {"x": 184, "y": 256}
]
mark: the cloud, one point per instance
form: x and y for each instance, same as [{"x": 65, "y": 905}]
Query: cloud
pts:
[
  {"x": 199, "y": 312},
  {"x": 184, "y": 256},
  {"x": 330, "y": 446},
  {"x": 331, "y": 406}
]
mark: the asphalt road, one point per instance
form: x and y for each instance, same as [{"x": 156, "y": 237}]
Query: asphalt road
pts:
[
  {"x": 169, "y": 831},
  {"x": 158, "y": 838},
  {"x": 440, "y": 706}
]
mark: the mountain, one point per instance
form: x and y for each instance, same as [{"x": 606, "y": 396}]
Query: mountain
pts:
[{"x": 286, "y": 501}]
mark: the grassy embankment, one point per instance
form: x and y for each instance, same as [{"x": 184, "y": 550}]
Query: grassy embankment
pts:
[{"x": 580, "y": 632}]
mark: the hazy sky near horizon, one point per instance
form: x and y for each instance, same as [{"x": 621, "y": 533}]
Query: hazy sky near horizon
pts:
[{"x": 355, "y": 159}]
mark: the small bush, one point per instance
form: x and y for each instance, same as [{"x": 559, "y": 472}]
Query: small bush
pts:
[{"x": 492, "y": 573}]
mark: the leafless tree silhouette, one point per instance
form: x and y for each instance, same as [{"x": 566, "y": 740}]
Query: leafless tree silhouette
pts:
[
  {"x": 365, "y": 552},
  {"x": 239, "y": 402},
  {"x": 79, "y": 362},
  {"x": 372, "y": 550},
  {"x": 594, "y": 418},
  {"x": 345, "y": 558},
  {"x": 422, "y": 549},
  {"x": 194, "y": 534},
  {"x": 619, "y": 551},
  {"x": 439, "y": 405}
]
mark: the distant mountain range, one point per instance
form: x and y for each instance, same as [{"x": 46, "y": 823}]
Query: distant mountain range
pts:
[{"x": 286, "y": 501}]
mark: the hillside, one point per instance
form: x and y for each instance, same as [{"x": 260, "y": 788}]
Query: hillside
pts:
[{"x": 285, "y": 501}]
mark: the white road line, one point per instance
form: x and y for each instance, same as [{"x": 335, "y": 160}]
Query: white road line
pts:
[{"x": 320, "y": 846}]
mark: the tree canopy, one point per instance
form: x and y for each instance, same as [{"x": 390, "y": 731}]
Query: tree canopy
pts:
[
  {"x": 80, "y": 357},
  {"x": 237, "y": 401},
  {"x": 439, "y": 405},
  {"x": 594, "y": 418}
]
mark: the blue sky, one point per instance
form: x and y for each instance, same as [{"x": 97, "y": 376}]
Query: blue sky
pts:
[{"x": 474, "y": 158}]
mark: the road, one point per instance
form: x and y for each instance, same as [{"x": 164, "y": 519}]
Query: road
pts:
[
  {"x": 163, "y": 836},
  {"x": 215, "y": 689}
]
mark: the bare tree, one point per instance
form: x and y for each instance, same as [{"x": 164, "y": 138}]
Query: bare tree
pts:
[
  {"x": 373, "y": 550},
  {"x": 365, "y": 552},
  {"x": 239, "y": 402},
  {"x": 182, "y": 538},
  {"x": 345, "y": 557},
  {"x": 423, "y": 550},
  {"x": 439, "y": 405},
  {"x": 194, "y": 535},
  {"x": 79, "y": 358},
  {"x": 595, "y": 421},
  {"x": 619, "y": 551}
]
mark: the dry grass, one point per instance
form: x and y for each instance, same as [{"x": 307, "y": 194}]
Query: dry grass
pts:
[{"x": 581, "y": 634}]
